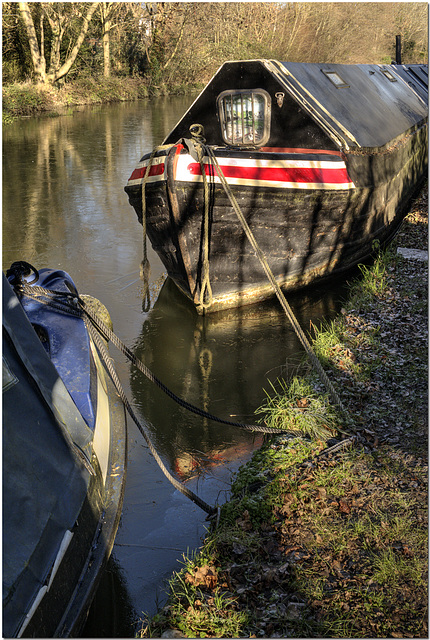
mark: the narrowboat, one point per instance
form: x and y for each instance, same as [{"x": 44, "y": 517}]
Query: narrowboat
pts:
[
  {"x": 64, "y": 458},
  {"x": 321, "y": 159}
]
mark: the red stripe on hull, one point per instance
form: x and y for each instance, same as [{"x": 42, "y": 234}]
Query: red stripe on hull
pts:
[
  {"x": 278, "y": 174},
  {"x": 156, "y": 170}
]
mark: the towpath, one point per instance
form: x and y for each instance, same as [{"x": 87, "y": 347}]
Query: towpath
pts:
[{"x": 344, "y": 550}]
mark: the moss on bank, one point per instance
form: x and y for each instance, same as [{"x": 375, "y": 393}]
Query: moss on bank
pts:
[{"x": 323, "y": 542}]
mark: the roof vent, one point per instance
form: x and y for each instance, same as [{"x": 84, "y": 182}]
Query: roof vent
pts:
[
  {"x": 335, "y": 78},
  {"x": 388, "y": 74}
]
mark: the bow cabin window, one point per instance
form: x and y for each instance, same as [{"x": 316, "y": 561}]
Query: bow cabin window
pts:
[{"x": 244, "y": 117}]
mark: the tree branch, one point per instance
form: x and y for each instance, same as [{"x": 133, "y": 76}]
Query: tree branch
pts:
[
  {"x": 178, "y": 41},
  {"x": 66, "y": 66}
]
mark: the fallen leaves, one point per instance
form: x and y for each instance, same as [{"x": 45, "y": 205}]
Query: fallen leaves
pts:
[
  {"x": 344, "y": 507},
  {"x": 205, "y": 576},
  {"x": 302, "y": 403},
  {"x": 322, "y": 493},
  {"x": 338, "y": 520},
  {"x": 245, "y": 521}
]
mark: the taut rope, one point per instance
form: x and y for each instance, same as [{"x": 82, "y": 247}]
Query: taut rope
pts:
[{"x": 198, "y": 139}]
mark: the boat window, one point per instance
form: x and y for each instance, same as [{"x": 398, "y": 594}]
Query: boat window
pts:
[
  {"x": 388, "y": 75},
  {"x": 245, "y": 117},
  {"x": 336, "y": 79}
]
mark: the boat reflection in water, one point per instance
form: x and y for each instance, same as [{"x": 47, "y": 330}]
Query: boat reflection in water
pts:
[
  {"x": 111, "y": 614},
  {"x": 220, "y": 363}
]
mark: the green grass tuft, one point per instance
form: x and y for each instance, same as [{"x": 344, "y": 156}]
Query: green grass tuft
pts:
[{"x": 297, "y": 409}]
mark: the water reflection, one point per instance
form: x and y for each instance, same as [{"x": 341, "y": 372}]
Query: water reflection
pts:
[
  {"x": 63, "y": 181},
  {"x": 220, "y": 363},
  {"x": 64, "y": 206},
  {"x": 113, "y": 599}
]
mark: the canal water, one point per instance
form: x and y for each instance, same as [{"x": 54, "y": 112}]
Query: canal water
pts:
[{"x": 64, "y": 207}]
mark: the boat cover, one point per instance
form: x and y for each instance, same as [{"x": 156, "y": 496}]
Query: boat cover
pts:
[
  {"x": 372, "y": 106},
  {"x": 44, "y": 479},
  {"x": 67, "y": 342}
]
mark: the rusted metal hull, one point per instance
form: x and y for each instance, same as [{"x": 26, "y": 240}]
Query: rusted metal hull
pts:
[{"x": 305, "y": 233}]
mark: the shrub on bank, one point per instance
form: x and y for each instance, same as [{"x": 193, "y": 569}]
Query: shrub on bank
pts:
[
  {"x": 99, "y": 90},
  {"x": 26, "y": 99}
]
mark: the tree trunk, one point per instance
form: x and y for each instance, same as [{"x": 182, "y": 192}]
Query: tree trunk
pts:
[
  {"x": 106, "y": 50},
  {"x": 181, "y": 33},
  {"x": 58, "y": 28},
  {"x": 37, "y": 56},
  {"x": 105, "y": 9}
]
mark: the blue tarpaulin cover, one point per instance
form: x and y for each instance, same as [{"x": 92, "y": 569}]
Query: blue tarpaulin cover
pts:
[{"x": 44, "y": 483}]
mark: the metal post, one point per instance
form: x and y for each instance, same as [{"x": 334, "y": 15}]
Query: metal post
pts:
[{"x": 398, "y": 49}]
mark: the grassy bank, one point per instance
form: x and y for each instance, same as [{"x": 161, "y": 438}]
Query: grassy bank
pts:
[
  {"x": 326, "y": 536},
  {"x": 26, "y": 99}
]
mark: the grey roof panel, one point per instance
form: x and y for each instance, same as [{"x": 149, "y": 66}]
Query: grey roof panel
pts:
[
  {"x": 416, "y": 76},
  {"x": 370, "y": 107}
]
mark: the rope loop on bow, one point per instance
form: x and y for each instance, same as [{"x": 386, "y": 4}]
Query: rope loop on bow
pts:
[{"x": 206, "y": 297}]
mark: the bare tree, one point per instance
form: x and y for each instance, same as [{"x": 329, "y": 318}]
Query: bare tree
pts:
[
  {"x": 181, "y": 44},
  {"x": 411, "y": 21},
  {"x": 59, "y": 16}
]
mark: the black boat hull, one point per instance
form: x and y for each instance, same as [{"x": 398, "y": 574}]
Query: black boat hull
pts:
[
  {"x": 305, "y": 234},
  {"x": 64, "y": 608},
  {"x": 322, "y": 160}
]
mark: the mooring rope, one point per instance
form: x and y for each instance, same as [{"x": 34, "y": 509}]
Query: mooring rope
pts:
[
  {"x": 206, "y": 298},
  {"x": 145, "y": 267},
  {"x": 71, "y": 304},
  {"x": 148, "y": 373},
  {"x": 68, "y": 305},
  {"x": 197, "y": 133},
  {"x": 95, "y": 335}
]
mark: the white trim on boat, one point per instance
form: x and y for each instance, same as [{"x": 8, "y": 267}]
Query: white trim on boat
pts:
[
  {"x": 329, "y": 174},
  {"x": 58, "y": 559},
  {"x": 101, "y": 440}
]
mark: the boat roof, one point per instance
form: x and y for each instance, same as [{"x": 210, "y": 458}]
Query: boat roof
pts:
[
  {"x": 368, "y": 104},
  {"x": 417, "y": 77},
  {"x": 362, "y": 105}
]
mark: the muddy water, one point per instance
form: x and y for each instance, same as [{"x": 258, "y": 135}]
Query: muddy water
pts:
[{"x": 64, "y": 207}]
